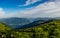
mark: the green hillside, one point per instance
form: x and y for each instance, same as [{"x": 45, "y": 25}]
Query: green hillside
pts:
[
  {"x": 46, "y": 30},
  {"x": 4, "y": 30},
  {"x": 3, "y": 27}
]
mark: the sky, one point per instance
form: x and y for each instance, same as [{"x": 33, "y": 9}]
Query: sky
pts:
[{"x": 29, "y": 8}]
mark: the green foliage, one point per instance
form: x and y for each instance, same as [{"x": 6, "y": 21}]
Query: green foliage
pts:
[{"x": 47, "y": 30}]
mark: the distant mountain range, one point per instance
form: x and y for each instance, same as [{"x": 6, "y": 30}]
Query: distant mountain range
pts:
[
  {"x": 35, "y": 23},
  {"x": 18, "y": 22}
]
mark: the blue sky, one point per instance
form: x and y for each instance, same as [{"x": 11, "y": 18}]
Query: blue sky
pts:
[
  {"x": 29, "y": 8},
  {"x": 14, "y": 4}
]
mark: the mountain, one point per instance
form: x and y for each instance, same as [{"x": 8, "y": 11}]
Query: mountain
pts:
[
  {"x": 35, "y": 23},
  {"x": 15, "y": 22},
  {"x": 49, "y": 29},
  {"x": 37, "y": 29},
  {"x": 36, "y": 19}
]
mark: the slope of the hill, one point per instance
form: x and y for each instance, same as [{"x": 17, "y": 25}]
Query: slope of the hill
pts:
[
  {"x": 3, "y": 27},
  {"x": 47, "y": 30}
]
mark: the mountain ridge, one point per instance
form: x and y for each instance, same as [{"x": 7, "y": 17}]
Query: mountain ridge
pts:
[{"x": 17, "y": 22}]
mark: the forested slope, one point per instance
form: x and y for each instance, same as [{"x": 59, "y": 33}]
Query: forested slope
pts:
[{"x": 47, "y": 30}]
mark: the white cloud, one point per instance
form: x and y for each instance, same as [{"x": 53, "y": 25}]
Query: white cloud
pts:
[
  {"x": 28, "y": 2},
  {"x": 47, "y": 9},
  {"x": 2, "y": 13}
]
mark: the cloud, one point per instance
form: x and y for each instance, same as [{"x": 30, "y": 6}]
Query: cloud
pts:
[
  {"x": 28, "y": 2},
  {"x": 47, "y": 9},
  {"x": 2, "y": 13}
]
